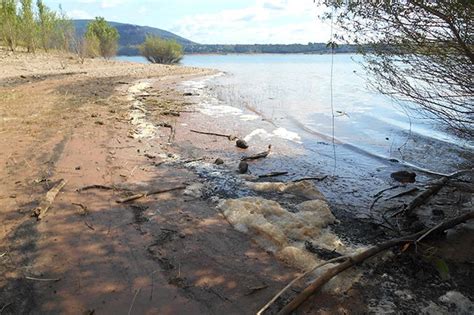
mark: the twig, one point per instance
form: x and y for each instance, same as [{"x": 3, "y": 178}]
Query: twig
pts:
[
  {"x": 360, "y": 257},
  {"x": 386, "y": 189},
  {"x": 273, "y": 174},
  {"x": 146, "y": 194},
  {"x": 257, "y": 156},
  {"x": 230, "y": 137},
  {"x": 133, "y": 301},
  {"x": 4, "y": 254},
  {"x": 100, "y": 187},
  {"x": 4, "y": 307},
  {"x": 88, "y": 225},
  {"x": 43, "y": 280},
  {"x": 401, "y": 194},
  {"x": 319, "y": 179},
  {"x": 40, "y": 211},
  {"x": 256, "y": 289}
]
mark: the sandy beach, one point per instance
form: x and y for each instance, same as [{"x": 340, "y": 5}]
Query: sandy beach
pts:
[{"x": 146, "y": 222}]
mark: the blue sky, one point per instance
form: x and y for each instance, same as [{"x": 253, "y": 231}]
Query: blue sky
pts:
[{"x": 213, "y": 21}]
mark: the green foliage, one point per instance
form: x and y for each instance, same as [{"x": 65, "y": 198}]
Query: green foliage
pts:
[
  {"x": 9, "y": 23},
  {"x": 28, "y": 27},
  {"x": 99, "y": 31},
  {"x": 157, "y": 50},
  {"x": 22, "y": 25}
]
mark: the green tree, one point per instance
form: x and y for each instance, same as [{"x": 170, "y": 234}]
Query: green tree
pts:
[
  {"x": 27, "y": 25},
  {"x": 10, "y": 23},
  {"x": 107, "y": 37},
  {"x": 46, "y": 22},
  {"x": 419, "y": 51},
  {"x": 157, "y": 50}
]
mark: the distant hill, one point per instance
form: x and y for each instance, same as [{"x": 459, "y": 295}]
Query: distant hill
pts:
[{"x": 133, "y": 35}]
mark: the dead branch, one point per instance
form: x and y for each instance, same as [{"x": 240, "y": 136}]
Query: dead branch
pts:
[
  {"x": 146, "y": 194},
  {"x": 230, "y": 137},
  {"x": 407, "y": 192},
  {"x": 100, "y": 187},
  {"x": 89, "y": 226},
  {"x": 43, "y": 280},
  {"x": 319, "y": 179},
  {"x": 273, "y": 174},
  {"x": 423, "y": 196},
  {"x": 301, "y": 276},
  {"x": 257, "y": 156},
  {"x": 40, "y": 211},
  {"x": 360, "y": 257}
]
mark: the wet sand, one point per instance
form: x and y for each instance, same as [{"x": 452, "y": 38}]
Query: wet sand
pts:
[{"x": 101, "y": 123}]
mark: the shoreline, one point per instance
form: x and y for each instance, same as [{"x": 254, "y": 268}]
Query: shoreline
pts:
[{"x": 175, "y": 252}]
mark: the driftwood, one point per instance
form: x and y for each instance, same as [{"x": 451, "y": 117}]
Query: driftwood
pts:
[
  {"x": 257, "y": 156},
  {"x": 273, "y": 174},
  {"x": 146, "y": 194},
  {"x": 230, "y": 137},
  {"x": 40, "y": 211},
  {"x": 360, "y": 257}
]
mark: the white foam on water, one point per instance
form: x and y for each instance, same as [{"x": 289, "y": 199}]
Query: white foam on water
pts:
[
  {"x": 287, "y": 135},
  {"x": 215, "y": 110},
  {"x": 260, "y": 133},
  {"x": 249, "y": 117}
]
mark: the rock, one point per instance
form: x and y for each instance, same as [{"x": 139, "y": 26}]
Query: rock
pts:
[
  {"x": 219, "y": 161},
  {"x": 78, "y": 168},
  {"x": 242, "y": 144},
  {"x": 150, "y": 156},
  {"x": 404, "y": 176},
  {"x": 188, "y": 94},
  {"x": 243, "y": 167}
]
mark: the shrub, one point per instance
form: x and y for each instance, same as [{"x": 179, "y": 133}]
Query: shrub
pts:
[
  {"x": 101, "y": 32},
  {"x": 157, "y": 50}
]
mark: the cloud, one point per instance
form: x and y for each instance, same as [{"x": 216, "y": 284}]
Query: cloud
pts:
[
  {"x": 79, "y": 14},
  {"x": 266, "y": 21}
]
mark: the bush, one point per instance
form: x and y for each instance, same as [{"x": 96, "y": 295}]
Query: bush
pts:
[
  {"x": 157, "y": 50},
  {"x": 100, "y": 32}
]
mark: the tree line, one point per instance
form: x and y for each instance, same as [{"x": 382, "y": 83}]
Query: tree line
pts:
[
  {"x": 31, "y": 26},
  {"x": 34, "y": 26}
]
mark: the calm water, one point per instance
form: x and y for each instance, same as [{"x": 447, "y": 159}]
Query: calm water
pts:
[{"x": 293, "y": 91}]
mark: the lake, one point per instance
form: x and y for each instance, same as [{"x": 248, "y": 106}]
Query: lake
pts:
[{"x": 294, "y": 92}]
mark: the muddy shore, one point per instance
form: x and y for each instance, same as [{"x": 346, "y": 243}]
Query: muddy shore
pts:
[{"x": 127, "y": 127}]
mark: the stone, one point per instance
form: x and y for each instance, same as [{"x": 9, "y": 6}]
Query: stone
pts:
[
  {"x": 241, "y": 144},
  {"x": 243, "y": 167},
  {"x": 219, "y": 161}
]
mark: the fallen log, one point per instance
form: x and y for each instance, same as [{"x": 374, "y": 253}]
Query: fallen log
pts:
[
  {"x": 257, "y": 156},
  {"x": 40, "y": 211},
  {"x": 360, "y": 257},
  {"x": 230, "y": 137},
  {"x": 146, "y": 194}
]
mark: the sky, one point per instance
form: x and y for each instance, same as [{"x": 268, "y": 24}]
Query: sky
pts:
[{"x": 213, "y": 21}]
